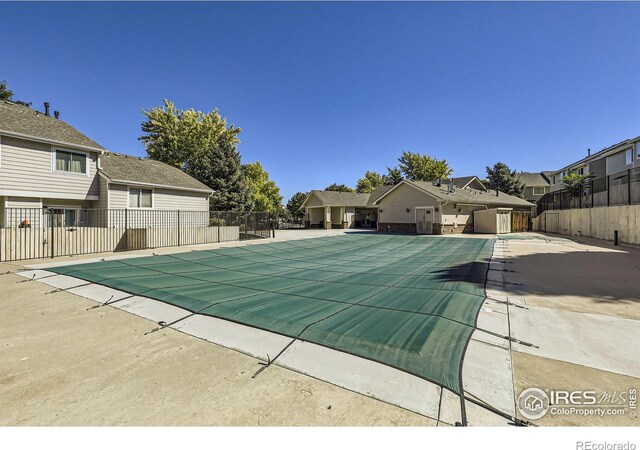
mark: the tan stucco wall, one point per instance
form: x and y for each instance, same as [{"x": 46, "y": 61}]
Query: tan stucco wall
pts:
[
  {"x": 459, "y": 215},
  {"x": 26, "y": 166},
  {"x": 316, "y": 215},
  {"x": 337, "y": 215},
  {"x": 394, "y": 205},
  {"x": 598, "y": 223}
]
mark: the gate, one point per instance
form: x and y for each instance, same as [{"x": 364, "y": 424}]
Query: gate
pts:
[{"x": 520, "y": 221}]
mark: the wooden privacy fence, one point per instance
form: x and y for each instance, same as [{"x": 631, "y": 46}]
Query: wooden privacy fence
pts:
[
  {"x": 520, "y": 221},
  {"x": 46, "y": 233}
]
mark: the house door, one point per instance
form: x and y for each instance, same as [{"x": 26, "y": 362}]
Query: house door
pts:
[{"x": 424, "y": 220}]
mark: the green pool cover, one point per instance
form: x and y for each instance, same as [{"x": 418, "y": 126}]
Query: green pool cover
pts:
[{"x": 410, "y": 302}]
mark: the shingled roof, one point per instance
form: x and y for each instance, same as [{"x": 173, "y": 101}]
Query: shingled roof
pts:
[
  {"x": 533, "y": 179},
  {"x": 22, "y": 121},
  {"x": 132, "y": 169},
  {"x": 353, "y": 199},
  {"x": 469, "y": 196}
]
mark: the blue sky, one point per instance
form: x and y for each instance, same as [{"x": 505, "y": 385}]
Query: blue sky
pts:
[{"x": 324, "y": 92}]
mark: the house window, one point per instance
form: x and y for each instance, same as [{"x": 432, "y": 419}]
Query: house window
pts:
[
  {"x": 580, "y": 171},
  {"x": 140, "y": 198},
  {"x": 64, "y": 217},
  {"x": 629, "y": 156},
  {"x": 538, "y": 190},
  {"x": 70, "y": 162}
]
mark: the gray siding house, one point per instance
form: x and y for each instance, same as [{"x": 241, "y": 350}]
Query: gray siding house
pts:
[
  {"x": 609, "y": 161},
  {"x": 46, "y": 163},
  {"x": 535, "y": 185}
]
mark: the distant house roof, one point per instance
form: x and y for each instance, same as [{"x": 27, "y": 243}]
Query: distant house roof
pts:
[
  {"x": 337, "y": 198},
  {"x": 466, "y": 196},
  {"x": 352, "y": 199},
  {"x": 533, "y": 179},
  {"x": 463, "y": 182},
  {"x": 24, "y": 122},
  {"x": 135, "y": 170}
]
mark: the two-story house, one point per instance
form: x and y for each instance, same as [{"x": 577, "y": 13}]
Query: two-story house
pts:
[
  {"x": 612, "y": 161},
  {"x": 46, "y": 163},
  {"x": 535, "y": 185}
]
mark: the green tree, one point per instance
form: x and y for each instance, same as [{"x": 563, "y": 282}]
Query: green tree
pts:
[
  {"x": 393, "y": 176},
  {"x": 7, "y": 95},
  {"x": 203, "y": 146},
  {"x": 338, "y": 187},
  {"x": 574, "y": 183},
  {"x": 295, "y": 203},
  {"x": 418, "y": 167},
  {"x": 502, "y": 178},
  {"x": 370, "y": 182},
  {"x": 265, "y": 194}
]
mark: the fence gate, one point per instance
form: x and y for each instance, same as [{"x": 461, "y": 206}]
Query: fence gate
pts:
[{"x": 520, "y": 221}]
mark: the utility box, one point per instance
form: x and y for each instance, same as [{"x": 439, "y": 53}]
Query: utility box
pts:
[{"x": 492, "y": 221}]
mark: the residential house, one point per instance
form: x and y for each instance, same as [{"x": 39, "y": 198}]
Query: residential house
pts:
[
  {"x": 611, "y": 162},
  {"x": 46, "y": 163},
  {"x": 536, "y": 184},
  {"x": 408, "y": 207}
]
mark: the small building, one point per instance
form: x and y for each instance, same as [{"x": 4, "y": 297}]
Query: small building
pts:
[
  {"x": 335, "y": 209},
  {"x": 408, "y": 207},
  {"x": 492, "y": 221},
  {"x": 432, "y": 208}
]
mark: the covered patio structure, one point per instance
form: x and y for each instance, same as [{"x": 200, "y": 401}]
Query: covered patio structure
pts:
[{"x": 334, "y": 209}]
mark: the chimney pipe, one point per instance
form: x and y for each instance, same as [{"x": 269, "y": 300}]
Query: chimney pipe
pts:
[
  {"x": 46, "y": 109},
  {"x": 588, "y": 152},
  {"x": 56, "y": 114}
]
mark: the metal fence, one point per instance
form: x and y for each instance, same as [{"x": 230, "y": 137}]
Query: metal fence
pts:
[
  {"x": 27, "y": 233},
  {"x": 622, "y": 188}
]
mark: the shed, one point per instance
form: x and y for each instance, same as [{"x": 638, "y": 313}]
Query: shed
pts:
[{"x": 492, "y": 221}]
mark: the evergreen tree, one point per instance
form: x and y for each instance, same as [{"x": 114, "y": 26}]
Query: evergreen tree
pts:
[
  {"x": 502, "y": 178},
  {"x": 7, "y": 95},
  {"x": 294, "y": 204},
  {"x": 393, "y": 176}
]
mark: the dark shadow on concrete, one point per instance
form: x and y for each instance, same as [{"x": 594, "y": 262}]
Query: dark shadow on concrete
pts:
[{"x": 602, "y": 276}]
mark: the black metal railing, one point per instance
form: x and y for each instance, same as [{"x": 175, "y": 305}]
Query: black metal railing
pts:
[
  {"x": 31, "y": 233},
  {"x": 622, "y": 188}
]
